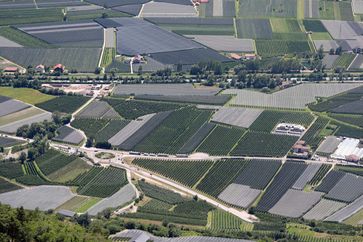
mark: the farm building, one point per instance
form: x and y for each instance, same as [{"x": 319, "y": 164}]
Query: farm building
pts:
[
  {"x": 11, "y": 70},
  {"x": 349, "y": 149},
  {"x": 292, "y": 129},
  {"x": 235, "y": 56},
  {"x": 40, "y": 68},
  {"x": 58, "y": 68}
]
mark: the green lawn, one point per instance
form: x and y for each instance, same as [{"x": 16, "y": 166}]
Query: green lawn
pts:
[{"x": 27, "y": 95}]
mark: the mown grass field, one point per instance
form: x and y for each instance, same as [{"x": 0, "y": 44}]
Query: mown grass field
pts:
[
  {"x": 270, "y": 48},
  {"x": 221, "y": 221},
  {"x": 108, "y": 56},
  {"x": 26, "y": 95},
  {"x": 79, "y": 204},
  {"x": 281, "y": 25}
]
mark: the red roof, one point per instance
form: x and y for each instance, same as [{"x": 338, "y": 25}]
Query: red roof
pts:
[
  {"x": 12, "y": 69},
  {"x": 58, "y": 66}
]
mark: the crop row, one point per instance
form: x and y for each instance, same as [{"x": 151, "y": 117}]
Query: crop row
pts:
[
  {"x": 143, "y": 131},
  {"x": 201, "y": 99},
  {"x": 268, "y": 120},
  {"x": 312, "y": 136},
  {"x": 174, "y": 131},
  {"x": 221, "y": 140},
  {"x": 216, "y": 180},
  {"x": 131, "y": 109},
  {"x": 52, "y": 161},
  {"x": 6, "y": 186},
  {"x": 105, "y": 183},
  {"x": 269, "y": 48},
  {"x": 197, "y": 138},
  {"x": 64, "y": 104},
  {"x": 11, "y": 170},
  {"x": 222, "y": 221},
  {"x": 339, "y": 100},
  {"x": 324, "y": 168},
  {"x": 161, "y": 194},
  {"x": 356, "y": 120},
  {"x": 258, "y": 173},
  {"x": 184, "y": 171},
  {"x": 330, "y": 181},
  {"x": 86, "y": 177},
  {"x": 264, "y": 144},
  {"x": 284, "y": 180}
]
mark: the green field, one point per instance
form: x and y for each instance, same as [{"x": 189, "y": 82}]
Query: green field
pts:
[
  {"x": 184, "y": 171},
  {"x": 6, "y": 186},
  {"x": 189, "y": 212},
  {"x": 356, "y": 120},
  {"x": 191, "y": 29},
  {"x": 269, "y": 48},
  {"x": 22, "y": 38},
  {"x": 221, "y": 140},
  {"x": 42, "y": 15},
  {"x": 350, "y": 169},
  {"x": 314, "y": 26},
  {"x": 222, "y": 222},
  {"x": 319, "y": 174},
  {"x": 215, "y": 181},
  {"x": 11, "y": 170},
  {"x": 132, "y": 109},
  {"x": 174, "y": 131},
  {"x": 162, "y": 194},
  {"x": 105, "y": 183},
  {"x": 281, "y": 25},
  {"x": 26, "y": 95},
  {"x": 313, "y": 136},
  {"x": 70, "y": 171},
  {"x": 64, "y": 104},
  {"x": 79, "y": 204},
  {"x": 108, "y": 56},
  {"x": 265, "y": 8},
  {"x": 320, "y": 36},
  {"x": 344, "y": 60},
  {"x": 53, "y": 161},
  {"x": 264, "y": 144},
  {"x": 99, "y": 130},
  {"x": 355, "y": 219},
  {"x": 268, "y": 120}
]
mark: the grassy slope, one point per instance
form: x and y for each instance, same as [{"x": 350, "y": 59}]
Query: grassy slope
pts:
[{"x": 27, "y": 95}]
